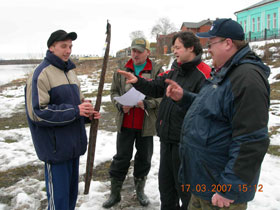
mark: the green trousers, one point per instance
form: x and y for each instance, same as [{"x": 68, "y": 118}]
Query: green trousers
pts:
[{"x": 197, "y": 203}]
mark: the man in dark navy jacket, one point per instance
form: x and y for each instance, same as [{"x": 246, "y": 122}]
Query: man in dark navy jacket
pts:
[
  {"x": 56, "y": 109},
  {"x": 225, "y": 133}
]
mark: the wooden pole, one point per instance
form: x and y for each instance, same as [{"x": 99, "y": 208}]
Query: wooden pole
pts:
[{"x": 94, "y": 123}]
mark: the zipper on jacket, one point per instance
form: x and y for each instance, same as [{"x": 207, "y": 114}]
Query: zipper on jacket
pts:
[
  {"x": 81, "y": 140},
  {"x": 54, "y": 151},
  {"x": 70, "y": 87}
]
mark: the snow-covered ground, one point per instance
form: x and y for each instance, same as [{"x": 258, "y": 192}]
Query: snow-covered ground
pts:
[{"x": 28, "y": 192}]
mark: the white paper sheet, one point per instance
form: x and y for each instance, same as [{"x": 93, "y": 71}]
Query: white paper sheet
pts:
[{"x": 130, "y": 98}]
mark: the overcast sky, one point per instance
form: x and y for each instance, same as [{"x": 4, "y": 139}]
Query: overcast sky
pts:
[{"x": 27, "y": 24}]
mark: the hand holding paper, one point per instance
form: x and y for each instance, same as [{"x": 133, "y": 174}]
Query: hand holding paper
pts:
[{"x": 130, "y": 98}]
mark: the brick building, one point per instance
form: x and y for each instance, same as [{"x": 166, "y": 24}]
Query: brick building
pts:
[
  {"x": 202, "y": 26},
  {"x": 164, "y": 43}
]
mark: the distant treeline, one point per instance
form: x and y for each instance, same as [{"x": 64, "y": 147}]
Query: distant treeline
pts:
[{"x": 23, "y": 61}]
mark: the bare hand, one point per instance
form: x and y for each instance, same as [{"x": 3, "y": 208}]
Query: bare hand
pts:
[
  {"x": 174, "y": 90},
  {"x": 220, "y": 201},
  {"x": 131, "y": 78},
  {"x": 140, "y": 104},
  {"x": 126, "y": 109},
  {"x": 95, "y": 115},
  {"x": 86, "y": 109}
]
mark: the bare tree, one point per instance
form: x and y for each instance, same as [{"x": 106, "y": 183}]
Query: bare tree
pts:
[
  {"x": 137, "y": 34},
  {"x": 163, "y": 27}
]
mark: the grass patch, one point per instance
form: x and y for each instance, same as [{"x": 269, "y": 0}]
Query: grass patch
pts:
[
  {"x": 94, "y": 94},
  {"x": 107, "y": 121},
  {"x": 275, "y": 91},
  {"x": 12, "y": 176},
  {"x": 6, "y": 199},
  {"x": 9, "y": 141},
  {"x": 273, "y": 130},
  {"x": 17, "y": 83},
  {"x": 101, "y": 172},
  {"x": 274, "y": 150},
  {"x": 18, "y": 120}
]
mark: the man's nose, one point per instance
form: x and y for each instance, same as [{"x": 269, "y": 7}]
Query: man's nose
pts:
[{"x": 69, "y": 50}]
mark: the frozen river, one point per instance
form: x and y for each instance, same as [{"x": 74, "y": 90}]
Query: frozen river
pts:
[{"x": 11, "y": 72}]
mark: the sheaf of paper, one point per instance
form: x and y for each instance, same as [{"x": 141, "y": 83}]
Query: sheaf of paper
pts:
[{"x": 130, "y": 98}]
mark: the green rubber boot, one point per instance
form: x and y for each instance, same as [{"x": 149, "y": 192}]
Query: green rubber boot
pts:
[
  {"x": 139, "y": 186},
  {"x": 115, "y": 195}
]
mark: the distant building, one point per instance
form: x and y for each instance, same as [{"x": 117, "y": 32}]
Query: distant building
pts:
[
  {"x": 164, "y": 43},
  {"x": 261, "y": 20},
  {"x": 124, "y": 53},
  {"x": 153, "y": 48},
  {"x": 202, "y": 26}
]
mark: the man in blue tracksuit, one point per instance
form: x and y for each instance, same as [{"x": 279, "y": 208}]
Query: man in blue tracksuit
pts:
[
  {"x": 224, "y": 135},
  {"x": 56, "y": 112}
]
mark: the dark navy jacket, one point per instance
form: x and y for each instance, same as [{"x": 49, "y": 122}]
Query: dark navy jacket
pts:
[
  {"x": 52, "y": 96},
  {"x": 225, "y": 135}
]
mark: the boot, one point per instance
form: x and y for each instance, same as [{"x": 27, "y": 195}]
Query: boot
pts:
[
  {"x": 139, "y": 186},
  {"x": 115, "y": 195}
]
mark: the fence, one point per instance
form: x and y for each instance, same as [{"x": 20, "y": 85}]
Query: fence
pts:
[{"x": 262, "y": 35}]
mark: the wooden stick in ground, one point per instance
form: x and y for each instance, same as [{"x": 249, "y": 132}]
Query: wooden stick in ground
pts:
[{"x": 94, "y": 123}]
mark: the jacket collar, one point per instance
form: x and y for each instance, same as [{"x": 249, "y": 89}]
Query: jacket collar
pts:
[
  {"x": 194, "y": 62},
  {"x": 184, "y": 67},
  {"x": 57, "y": 62},
  {"x": 148, "y": 66},
  {"x": 244, "y": 55}
]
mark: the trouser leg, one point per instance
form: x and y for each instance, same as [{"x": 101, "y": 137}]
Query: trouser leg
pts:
[
  {"x": 74, "y": 184},
  {"x": 168, "y": 192},
  {"x": 143, "y": 156},
  {"x": 62, "y": 184},
  {"x": 121, "y": 161},
  {"x": 183, "y": 195}
]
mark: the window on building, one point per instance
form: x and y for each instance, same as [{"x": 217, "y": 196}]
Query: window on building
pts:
[
  {"x": 245, "y": 25},
  {"x": 268, "y": 22},
  {"x": 274, "y": 20},
  {"x": 259, "y": 24},
  {"x": 253, "y": 25}
]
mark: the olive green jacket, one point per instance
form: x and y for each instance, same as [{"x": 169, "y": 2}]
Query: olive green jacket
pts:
[{"x": 119, "y": 87}]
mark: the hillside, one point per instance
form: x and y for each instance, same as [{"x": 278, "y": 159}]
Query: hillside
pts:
[{"x": 22, "y": 175}]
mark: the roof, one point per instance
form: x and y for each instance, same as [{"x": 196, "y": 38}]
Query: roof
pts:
[
  {"x": 153, "y": 44},
  {"x": 261, "y": 3},
  {"x": 196, "y": 25}
]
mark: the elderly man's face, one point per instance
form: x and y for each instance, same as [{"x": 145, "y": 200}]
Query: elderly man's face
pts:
[
  {"x": 62, "y": 49},
  {"x": 216, "y": 47}
]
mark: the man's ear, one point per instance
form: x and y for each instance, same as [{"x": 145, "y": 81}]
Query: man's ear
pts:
[
  {"x": 229, "y": 43},
  {"x": 51, "y": 48},
  {"x": 192, "y": 48}
]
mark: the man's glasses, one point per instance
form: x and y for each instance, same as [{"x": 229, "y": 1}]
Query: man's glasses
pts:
[{"x": 209, "y": 44}]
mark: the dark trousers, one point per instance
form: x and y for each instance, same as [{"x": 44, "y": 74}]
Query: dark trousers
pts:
[
  {"x": 142, "y": 160},
  {"x": 169, "y": 187},
  {"x": 62, "y": 181}
]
